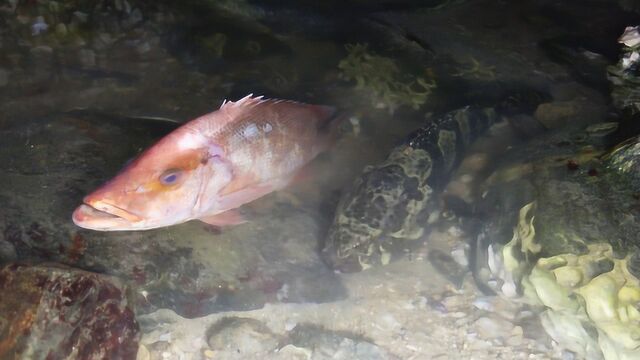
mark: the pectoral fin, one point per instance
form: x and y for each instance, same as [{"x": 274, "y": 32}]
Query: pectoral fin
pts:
[{"x": 229, "y": 217}]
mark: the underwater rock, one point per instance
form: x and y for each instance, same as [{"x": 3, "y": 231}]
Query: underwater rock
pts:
[
  {"x": 325, "y": 344},
  {"x": 553, "y": 115},
  {"x": 54, "y": 312},
  {"x": 493, "y": 328},
  {"x": 563, "y": 238},
  {"x": 245, "y": 336},
  {"x": 87, "y": 57},
  {"x": 556, "y": 114},
  {"x": 630, "y": 37}
]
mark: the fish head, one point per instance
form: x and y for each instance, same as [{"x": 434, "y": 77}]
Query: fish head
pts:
[{"x": 171, "y": 182}]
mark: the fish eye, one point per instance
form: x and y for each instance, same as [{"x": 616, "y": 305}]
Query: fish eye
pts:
[{"x": 170, "y": 177}]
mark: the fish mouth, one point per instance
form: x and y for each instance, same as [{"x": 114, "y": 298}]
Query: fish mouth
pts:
[{"x": 100, "y": 215}]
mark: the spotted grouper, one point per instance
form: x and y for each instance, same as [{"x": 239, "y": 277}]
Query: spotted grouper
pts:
[{"x": 212, "y": 165}]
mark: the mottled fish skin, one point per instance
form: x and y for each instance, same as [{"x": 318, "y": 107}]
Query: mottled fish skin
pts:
[
  {"x": 393, "y": 200},
  {"x": 212, "y": 165}
]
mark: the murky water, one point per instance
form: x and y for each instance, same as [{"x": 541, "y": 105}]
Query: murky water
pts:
[{"x": 87, "y": 87}]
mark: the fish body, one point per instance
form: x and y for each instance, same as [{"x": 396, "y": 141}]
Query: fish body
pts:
[
  {"x": 390, "y": 202},
  {"x": 212, "y": 165}
]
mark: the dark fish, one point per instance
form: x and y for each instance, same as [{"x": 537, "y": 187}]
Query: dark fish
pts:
[{"x": 390, "y": 203}]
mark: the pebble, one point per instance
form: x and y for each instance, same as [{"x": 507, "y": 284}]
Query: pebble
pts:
[
  {"x": 421, "y": 302},
  {"x": 290, "y": 324},
  {"x": 61, "y": 29},
  {"x": 453, "y": 302},
  {"x": 132, "y": 20},
  {"x": 80, "y": 17},
  {"x": 295, "y": 353},
  {"x": 243, "y": 335},
  {"x": 39, "y": 26},
  {"x": 493, "y": 328},
  {"x": 143, "y": 353},
  {"x": 515, "y": 340},
  {"x": 87, "y": 57},
  {"x": 555, "y": 114},
  {"x": 499, "y": 306},
  {"x": 460, "y": 255},
  {"x": 41, "y": 50},
  {"x": 102, "y": 41}
]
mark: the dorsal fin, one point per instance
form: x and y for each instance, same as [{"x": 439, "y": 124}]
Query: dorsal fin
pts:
[
  {"x": 247, "y": 101},
  {"x": 249, "y": 105}
]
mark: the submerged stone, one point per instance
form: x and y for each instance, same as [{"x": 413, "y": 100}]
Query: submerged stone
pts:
[{"x": 54, "y": 312}]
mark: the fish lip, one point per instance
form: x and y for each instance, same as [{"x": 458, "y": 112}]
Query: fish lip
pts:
[
  {"x": 113, "y": 210},
  {"x": 100, "y": 215}
]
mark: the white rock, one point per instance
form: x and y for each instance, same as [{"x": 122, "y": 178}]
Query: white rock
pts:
[
  {"x": 39, "y": 26},
  {"x": 630, "y": 37}
]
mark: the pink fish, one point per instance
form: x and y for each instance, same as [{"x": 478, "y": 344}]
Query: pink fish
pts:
[{"x": 210, "y": 166}]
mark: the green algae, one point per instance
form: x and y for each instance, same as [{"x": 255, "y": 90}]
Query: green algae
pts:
[{"x": 383, "y": 79}]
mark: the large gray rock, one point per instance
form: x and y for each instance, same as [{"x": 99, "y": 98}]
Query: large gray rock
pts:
[{"x": 53, "y": 312}]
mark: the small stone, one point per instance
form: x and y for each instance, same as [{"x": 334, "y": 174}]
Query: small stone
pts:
[
  {"x": 497, "y": 305},
  {"x": 493, "y": 328},
  {"x": 295, "y": 353},
  {"x": 102, "y": 40},
  {"x": 459, "y": 254},
  {"x": 327, "y": 344},
  {"x": 458, "y": 315},
  {"x": 22, "y": 19},
  {"x": 462, "y": 321},
  {"x": 143, "y": 48},
  {"x": 631, "y": 36},
  {"x": 453, "y": 302},
  {"x": 87, "y": 57},
  {"x": 61, "y": 29},
  {"x": 143, "y": 353},
  {"x": 578, "y": 111},
  {"x": 515, "y": 340},
  {"x": 242, "y": 335},
  {"x": 556, "y": 114},
  {"x": 80, "y": 17},
  {"x": 41, "y": 50},
  {"x": 420, "y": 302},
  {"x": 290, "y": 324},
  {"x": 209, "y": 354},
  {"x": 39, "y": 26},
  {"x": 133, "y": 19}
]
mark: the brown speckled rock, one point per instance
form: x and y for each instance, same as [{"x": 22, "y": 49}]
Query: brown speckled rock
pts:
[{"x": 53, "y": 312}]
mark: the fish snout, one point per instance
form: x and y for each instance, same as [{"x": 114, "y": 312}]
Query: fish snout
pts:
[
  {"x": 96, "y": 213},
  {"x": 81, "y": 215},
  {"x": 113, "y": 210}
]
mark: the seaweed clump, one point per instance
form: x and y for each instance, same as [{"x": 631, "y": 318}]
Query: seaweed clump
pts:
[{"x": 383, "y": 79}]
